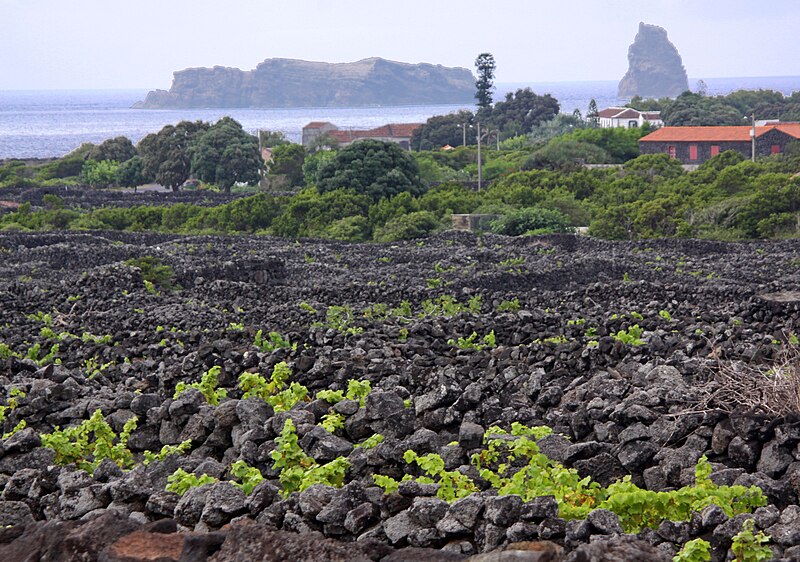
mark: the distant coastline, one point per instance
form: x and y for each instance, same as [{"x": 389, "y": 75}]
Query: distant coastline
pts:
[
  {"x": 50, "y": 123},
  {"x": 291, "y": 83}
]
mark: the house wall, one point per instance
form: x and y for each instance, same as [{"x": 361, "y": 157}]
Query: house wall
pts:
[
  {"x": 764, "y": 145},
  {"x": 765, "y": 142},
  {"x": 310, "y": 134},
  {"x": 609, "y": 122},
  {"x": 653, "y": 122},
  {"x": 703, "y": 149}
]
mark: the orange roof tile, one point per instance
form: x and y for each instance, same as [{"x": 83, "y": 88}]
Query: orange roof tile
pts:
[
  {"x": 716, "y": 134},
  {"x": 394, "y": 130},
  {"x": 627, "y": 114},
  {"x": 610, "y": 112},
  {"x": 792, "y": 129}
]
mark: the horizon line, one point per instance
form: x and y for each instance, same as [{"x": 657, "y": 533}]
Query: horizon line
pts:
[{"x": 497, "y": 84}]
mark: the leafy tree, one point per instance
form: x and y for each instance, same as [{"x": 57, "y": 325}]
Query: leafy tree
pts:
[
  {"x": 373, "y": 168},
  {"x": 485, "y": 66},
  {"x": 69, "y": 166},
  {"x": 322, "y": 142},
  {"x": 312, "y": 163},
  {"x": 441, "y": 130},
  {"x": 101, "y": 173},
  {"x": 120, "y": 149},
  {"x": 622, "y": 144},
  {"x": 637, "y": 102},
  {"x": 287, "y": 160},
  {"x": 165, "y": 155},
  {"x": 690, "y": 109},
  {"x": 561, "y": 124},
  {"x": 520, "y": 112},
  {"x": 225, "y": 154},
  {"x": 562, "y": 152},
  {"x": 131, "y": 173},
  {"x": 271, "y": 139},
  {"x": 592, "y": 114}
]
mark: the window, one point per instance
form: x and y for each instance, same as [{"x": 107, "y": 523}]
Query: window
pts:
[
  {"x": 633, "y": 124},
  {"x": 714, "y": 150},
  {"x": 776, "y": 149},
  {"x": 692, "y": 152},
  {"x": 671, "y": 151}
]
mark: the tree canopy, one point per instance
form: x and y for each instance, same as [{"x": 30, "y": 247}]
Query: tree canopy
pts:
[
  {"x": 485, "y": 66},
  {"x": 737, "y": 108},
  {"x": 371, "y": 167},
  {"x": 165, "y": 155},
  {"x": 441, "y": 130},
  {"x": 119, "y": 149},
  {"x": 225, "y": 154},
  {"x": 287, "y": 161},
  {"x": 270, "y": 139},
  {"x": 519, "y": 113}
]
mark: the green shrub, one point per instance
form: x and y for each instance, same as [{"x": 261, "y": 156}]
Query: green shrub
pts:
[
  {"x": 154, "y": 271},
  {"x": 531, "y": 219},
  {"x": 207, "y": 386},
  {"x": 408, "y": 227},
  {"x": 87, "y": 444}
]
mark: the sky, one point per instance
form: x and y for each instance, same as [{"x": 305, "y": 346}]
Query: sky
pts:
[{"x": 123, "y": 44}]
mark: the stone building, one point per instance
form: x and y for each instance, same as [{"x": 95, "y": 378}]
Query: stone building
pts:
[
  {"x": 695, "y": 145},
  {"x": 316, "y": 129}
]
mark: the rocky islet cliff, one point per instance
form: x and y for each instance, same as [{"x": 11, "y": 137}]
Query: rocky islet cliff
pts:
[
  {"x": 655, "y": 68},
  {"x": 295, "y": 83}
]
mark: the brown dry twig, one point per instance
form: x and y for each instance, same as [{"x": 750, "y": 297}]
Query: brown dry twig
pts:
[{"x": 772, "y": 389}]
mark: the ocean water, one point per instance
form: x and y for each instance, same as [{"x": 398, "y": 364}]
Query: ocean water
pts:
[{"x": 43, "y": 124}]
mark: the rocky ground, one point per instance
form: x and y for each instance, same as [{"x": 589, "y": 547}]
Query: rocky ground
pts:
[
  {"x": 82, "y": 198},
  {"x": 648, "y": 407}
]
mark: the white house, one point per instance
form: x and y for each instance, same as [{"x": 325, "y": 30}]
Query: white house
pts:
[{"x": 628, "y": 118}]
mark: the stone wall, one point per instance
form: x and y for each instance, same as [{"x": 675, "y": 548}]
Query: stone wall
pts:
[{"x": 764, "y": 144}]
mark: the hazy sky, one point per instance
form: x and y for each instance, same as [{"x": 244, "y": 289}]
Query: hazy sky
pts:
[{"x": 53, "y": 44}]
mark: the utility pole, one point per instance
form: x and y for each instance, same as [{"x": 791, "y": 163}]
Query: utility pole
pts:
[
  {"x": 463, "y": 127},
  {"x": 480, "y": 172},
  {"x": 496, "y": 134},
  {"x": 753, "y": 138}
]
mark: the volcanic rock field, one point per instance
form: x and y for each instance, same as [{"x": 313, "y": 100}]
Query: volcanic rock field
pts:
[{"x": 635, "y": 354}]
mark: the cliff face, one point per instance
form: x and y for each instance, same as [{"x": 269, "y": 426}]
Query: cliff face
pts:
[
  {"x": 296, "y": 83},
  {"x": 655, "y": 68}
]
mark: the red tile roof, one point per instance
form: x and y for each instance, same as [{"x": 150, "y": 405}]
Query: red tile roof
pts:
[
  {"x": 716, "y": 134},
  {"x": 792, "y": 129},
  {"x": 316, "y": 125},
  {"x": 610, "y": 112},
  {"x": 628, "y": 113},
  {"x": 395, "y": 130}
]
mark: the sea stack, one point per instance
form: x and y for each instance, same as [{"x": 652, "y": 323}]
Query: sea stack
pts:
[{"x": 655, "y": 69}]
